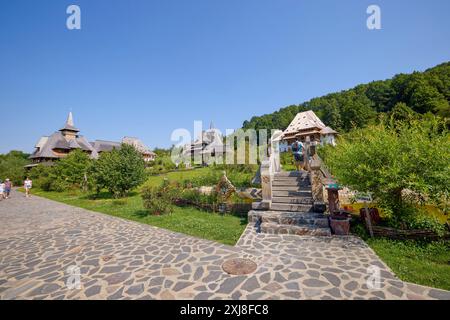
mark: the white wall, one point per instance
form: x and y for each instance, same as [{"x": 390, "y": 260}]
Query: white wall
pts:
[{"x": 328, "y": 139}]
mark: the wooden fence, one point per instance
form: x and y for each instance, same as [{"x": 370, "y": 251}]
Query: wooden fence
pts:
[{"x": 401, "y": 234}]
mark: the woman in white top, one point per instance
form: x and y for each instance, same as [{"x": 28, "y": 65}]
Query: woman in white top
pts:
[
  {"x": 28, "y": 184},
  {"x": 2, "y": 190}
]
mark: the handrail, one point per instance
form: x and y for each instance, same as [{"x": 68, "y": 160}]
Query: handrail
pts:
[
  {"x": 269, "y": 168},
  {"x": 320, "y": 177},
  {"x": 323, "y": 168}
]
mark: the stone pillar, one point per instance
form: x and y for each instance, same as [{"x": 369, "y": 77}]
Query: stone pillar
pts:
[
  {"x": 266, "y": 185},
  {"x": 333, "y": 200},
  {"x": 316, "y": 181},
  {"x": 269, "y": 167}
]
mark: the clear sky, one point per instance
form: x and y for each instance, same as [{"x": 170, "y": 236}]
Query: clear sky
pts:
[{"x": 146, "y": 67}]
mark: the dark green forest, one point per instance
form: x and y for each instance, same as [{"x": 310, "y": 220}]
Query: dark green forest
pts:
[
  {"x": 11, "y": 166},
  {"x": 403, "y": 96}
]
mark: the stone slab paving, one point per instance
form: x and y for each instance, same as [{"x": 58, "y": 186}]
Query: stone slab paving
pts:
[{"x": 40, "y": 240}]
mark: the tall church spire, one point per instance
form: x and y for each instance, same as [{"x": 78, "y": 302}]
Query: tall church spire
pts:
[
  {"x": 69, "y": 126},
  {"x": 70, "y": 120}
]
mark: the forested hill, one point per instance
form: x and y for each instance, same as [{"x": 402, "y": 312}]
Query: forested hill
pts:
[{"x": 419, "y": 92}]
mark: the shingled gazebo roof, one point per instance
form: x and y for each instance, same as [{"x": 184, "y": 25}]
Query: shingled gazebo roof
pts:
[{"x": 304, "y": 121}]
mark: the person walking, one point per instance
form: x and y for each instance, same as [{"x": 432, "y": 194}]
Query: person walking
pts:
[
  {"x": 297, "y": 151},
  {"x": 8, "y": 186},
  {"x": 2, "y": 190},
  {"x": 28, "y": 184}
]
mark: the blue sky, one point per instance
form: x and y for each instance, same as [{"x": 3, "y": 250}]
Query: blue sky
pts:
[{"x": 144, "y": 68}]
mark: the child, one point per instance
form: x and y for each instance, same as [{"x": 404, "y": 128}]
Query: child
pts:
[
  {"x": 28, "y": 184},
  {"x": 2, "y": 190}
]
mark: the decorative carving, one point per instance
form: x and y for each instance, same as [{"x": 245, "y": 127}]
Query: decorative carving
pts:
[{"x": 225, "y": 188}]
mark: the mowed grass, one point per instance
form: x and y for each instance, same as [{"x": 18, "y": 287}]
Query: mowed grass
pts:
[
  {"x": 207, "y": 175},
  {"x": 181, "y": 175},
  {"x": 225, "y": 229},
  {"x": 422, "y": 263}
]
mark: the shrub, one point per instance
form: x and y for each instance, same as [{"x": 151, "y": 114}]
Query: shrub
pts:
[
  {"x": 389, "y": 160},
  {"x": 209, "y": 179},
  {"x": 157, "y": 200},
  {"x": 60, "y": 185},
  {"x": 191, "y": 195},
  {"x": 287, "y": 161},
  {"x": 196, "y": 198},
  {"x": 41, "y": 176},
  {"x": 162, "y": 164},
  {"x": 412, "y": 218},
  {"x": 240, "y": 175},
  {"x": 69, "y": 173}
]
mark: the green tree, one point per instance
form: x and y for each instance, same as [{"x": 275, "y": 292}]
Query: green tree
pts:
[
  {"x": 425, "y": 98},
  {"x": 387, "y": 161},
  {"x": 381, "y": 94},
  {"x": 356, "y": 111},
  {"x": 71, "y": 172},
  {"x": 423, "y": 92},
  {"x": 73, "y": 169},
  {"x": 332, "y": 116},
  {"x": 401, "y": 112},
  {"x": 12, "y": 166},
  {"x": 119, "y": 171}
]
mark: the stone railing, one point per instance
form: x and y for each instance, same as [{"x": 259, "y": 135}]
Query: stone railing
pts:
[
  {"x": 269, "y": 167},
  {"x": 319, "y": 173}
]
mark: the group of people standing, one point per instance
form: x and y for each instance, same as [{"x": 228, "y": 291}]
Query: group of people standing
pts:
[{"x": 6, "y": 187}]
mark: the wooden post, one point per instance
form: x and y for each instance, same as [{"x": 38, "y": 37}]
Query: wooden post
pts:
[
  {"x": 368, "y": 219},
  {"x": 306, "y": 154}
]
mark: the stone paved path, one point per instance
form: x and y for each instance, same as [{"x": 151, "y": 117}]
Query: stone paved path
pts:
[{"x": 118, "y": 259}]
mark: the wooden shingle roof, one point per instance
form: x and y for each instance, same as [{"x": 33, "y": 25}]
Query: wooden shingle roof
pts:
[{"x": 307, "y": 120}]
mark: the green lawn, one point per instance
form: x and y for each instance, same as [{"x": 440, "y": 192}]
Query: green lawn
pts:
[
  {"x": 225, "y": 229},
  {"x": 206, "y": 176},
  {"x": 181, "y": 175},
  {"x": 421, "y": 263},
  {"x": 425, "y": 263}
]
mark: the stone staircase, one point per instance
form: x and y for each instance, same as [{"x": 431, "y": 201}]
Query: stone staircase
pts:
[{"x": 292, "y": 208}]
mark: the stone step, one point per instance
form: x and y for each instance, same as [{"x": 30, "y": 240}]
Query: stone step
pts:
[
  {"x": 272, "y": 228},
  {"x": 302, "y": 193},
  {"x": 293, "y": 200},
  {"x": 292, "y": 174},
  {"x": 291, "y": 207},
  {"x": 289, "y": 218},
  {"x": 291, "y": 188},
  {"x": 291, "y": 183},
  {"x": 287, "y": 178}
]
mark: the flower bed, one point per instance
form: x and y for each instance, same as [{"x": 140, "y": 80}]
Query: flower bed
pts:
[{"x": 232, "y": 208}]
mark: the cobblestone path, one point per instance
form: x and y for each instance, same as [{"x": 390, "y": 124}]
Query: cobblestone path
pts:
[{"x": 118, "y": 259}]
